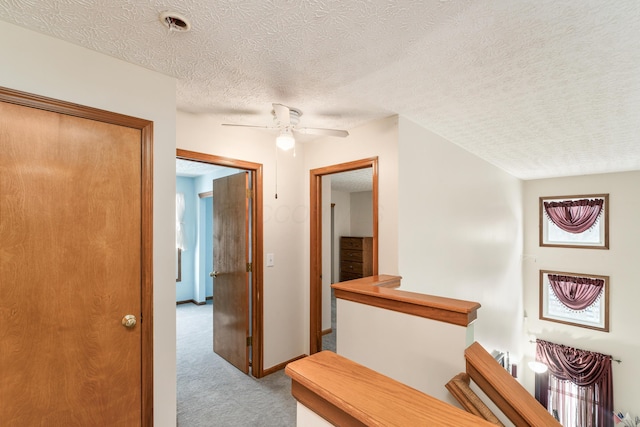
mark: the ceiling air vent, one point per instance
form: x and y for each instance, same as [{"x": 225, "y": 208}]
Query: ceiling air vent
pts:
[{"x": 175, "y": 22}]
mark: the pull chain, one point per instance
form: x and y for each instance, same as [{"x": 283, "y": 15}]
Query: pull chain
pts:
[{"x": 276, "y": 171}]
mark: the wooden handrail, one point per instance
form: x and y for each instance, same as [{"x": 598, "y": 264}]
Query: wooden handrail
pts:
[
  {"x": 382, "y": 291},
  {"x": 507, "y": 393},
  {"x": 348, "y": 394},
  {"x": 459, "y": 387}
]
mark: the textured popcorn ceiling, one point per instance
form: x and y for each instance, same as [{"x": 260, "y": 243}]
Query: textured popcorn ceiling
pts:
[{"x": 539, "y": 88}]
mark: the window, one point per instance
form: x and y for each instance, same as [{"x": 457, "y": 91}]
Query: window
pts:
[
  {"x": 573, "y": 405},
  {"x": 575, "y": 299},
  {"x": 575, "y": 221},
  {"x": 577, "y": 388}
]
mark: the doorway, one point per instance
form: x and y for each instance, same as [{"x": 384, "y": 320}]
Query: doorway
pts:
[
  {"x": 255, "y": 249},
  {"x": 317, "y": 225}
]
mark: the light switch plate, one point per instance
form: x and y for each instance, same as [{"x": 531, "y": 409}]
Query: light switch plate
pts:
[{"x": 270, "y": 260}]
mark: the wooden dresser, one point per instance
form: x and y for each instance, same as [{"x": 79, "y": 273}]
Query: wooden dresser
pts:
[{"x": 356, "y": 257}]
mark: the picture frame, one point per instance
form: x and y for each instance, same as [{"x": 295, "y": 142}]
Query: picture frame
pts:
[
  {"x": 595, "y": 316},
  {"x": 595, "y": 236}
]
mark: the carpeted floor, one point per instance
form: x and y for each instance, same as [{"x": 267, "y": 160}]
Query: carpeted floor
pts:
[
  {"x": 329, "y": 340},
  {"x": 211, "y": 392}
]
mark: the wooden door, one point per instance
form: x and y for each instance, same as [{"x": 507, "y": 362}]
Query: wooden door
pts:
[
  {"x": 71, "y": 267},
  {"x": 230, "y": 259}
]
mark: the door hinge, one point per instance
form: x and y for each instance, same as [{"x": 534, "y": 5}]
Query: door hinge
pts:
[
  {"x": 249, "y": 267},
  {"x": 249, "y": 193},
  {"x": 249, "y": 341}
]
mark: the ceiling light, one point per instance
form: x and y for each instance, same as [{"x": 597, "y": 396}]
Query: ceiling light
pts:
[
  {"x": 538, "y": 367},
  {"x": 285, "y": 141}
]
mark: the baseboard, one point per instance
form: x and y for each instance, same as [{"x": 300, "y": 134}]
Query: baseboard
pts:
[
  {"x": 192, "y": 301},
  {"x": 280, "y": 366},
  {"x": 211, "y": 297},
  {"x": 326, "y": 331}
]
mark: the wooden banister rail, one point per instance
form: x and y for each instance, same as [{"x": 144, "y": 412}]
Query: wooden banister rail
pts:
[
  {"x": 459, "y": 387},
  {"x": 507, "y": 393},
  {"x": 382, "y": 291},
  {"x": 348, "y": 394}
]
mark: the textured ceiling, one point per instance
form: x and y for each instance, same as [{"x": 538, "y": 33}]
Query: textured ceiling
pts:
[
  {"x": 191, "y": 169},
  {"x": 353, "y": 181},
  {"x": 539, "y": 88}
]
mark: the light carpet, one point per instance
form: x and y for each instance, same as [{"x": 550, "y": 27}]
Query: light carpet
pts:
[{"x": 212, "y": 392}]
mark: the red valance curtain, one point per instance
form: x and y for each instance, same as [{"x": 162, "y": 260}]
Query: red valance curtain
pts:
[
  {"x": 577, "y": 293},
  {"x": 589, "y": 370},
  {"x": 574, "y": 216}
]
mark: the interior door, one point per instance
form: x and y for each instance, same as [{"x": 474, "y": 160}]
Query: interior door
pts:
[
  {"x": 231, "y": 207},
  {"x": 70, "y": 270}
]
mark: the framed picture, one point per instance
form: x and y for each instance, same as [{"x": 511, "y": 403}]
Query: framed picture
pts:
[
  {"x": 575, "y": 299},
  {"x": 575, "y": 221}
]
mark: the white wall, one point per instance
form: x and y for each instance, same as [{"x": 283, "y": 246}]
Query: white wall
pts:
[
  {"x": 362, "y": 214},
  {"x": 326, "y": 253},
  {"x": 620, "y": 263},
  {"x": 378, "y": 138},
  {"x": 421, "y": 353},
  {"x": 460, "y": 232},
  {"x": 342, "y": 226},
  {"x": 284, "y": 220},
  {"x": 46, "y": 66}
]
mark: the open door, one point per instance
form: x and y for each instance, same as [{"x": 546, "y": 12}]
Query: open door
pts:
[{"x": 231, "y": 265}]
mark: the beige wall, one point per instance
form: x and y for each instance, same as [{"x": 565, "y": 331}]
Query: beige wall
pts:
[
  {"x": 45, "y": 66},
  {"x": 378, "y": 138},
  {"x": 460, "y": 232},
  {"x": 401, "y": 346},
  {"x": 620, "y": 263},
  {"x": 326, "y": 253},
  {"x": 362, "y": 213},
  {"x": 342, "y": 226}
]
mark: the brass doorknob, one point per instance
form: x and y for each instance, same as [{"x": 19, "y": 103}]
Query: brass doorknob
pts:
[
  {"x": 129, "y": 321},
  {"x": 213, "y": 274}
]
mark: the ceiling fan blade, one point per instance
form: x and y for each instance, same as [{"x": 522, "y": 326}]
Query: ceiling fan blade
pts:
[
  {"x": 248, "y": 126},
  {"x": 328, "y": 132},
  {"x": 282, "y": 114}
]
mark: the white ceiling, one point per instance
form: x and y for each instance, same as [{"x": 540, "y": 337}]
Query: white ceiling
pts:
[
  {"x": 192, "y": 169},
  {"x": 353, "y": 181},
  {"x": 539, "y": 88}
]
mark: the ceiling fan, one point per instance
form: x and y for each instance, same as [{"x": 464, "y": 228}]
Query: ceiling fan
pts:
[{"x": 286, "y": 121}]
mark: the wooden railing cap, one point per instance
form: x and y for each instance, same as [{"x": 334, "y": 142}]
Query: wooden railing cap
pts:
[{"x": 383, "y": 291}]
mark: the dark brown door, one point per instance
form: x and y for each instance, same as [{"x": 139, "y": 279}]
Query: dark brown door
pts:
[
  {"x": 230, "y": 259},
  {"x": 70, "y": 270}
]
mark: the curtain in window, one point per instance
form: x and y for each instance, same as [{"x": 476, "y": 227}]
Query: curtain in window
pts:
[
  {"x": 180, "y": 235},
  {"x": 578, "y": 385},
  {"x": 574, "y": 216},
  {"x": 577, "y": 293}
]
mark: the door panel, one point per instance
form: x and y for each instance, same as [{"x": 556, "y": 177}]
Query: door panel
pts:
[
  {"x": 70, "y": 269},
  {"x": 230, "y": 258}
]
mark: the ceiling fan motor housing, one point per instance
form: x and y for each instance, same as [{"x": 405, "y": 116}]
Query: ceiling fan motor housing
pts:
[{"x": 294, "y": 117}]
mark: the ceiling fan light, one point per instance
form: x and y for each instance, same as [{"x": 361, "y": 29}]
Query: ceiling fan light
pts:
[
  {"x": 285, "y": 141},
  {"x": 538, "y": 367}
]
